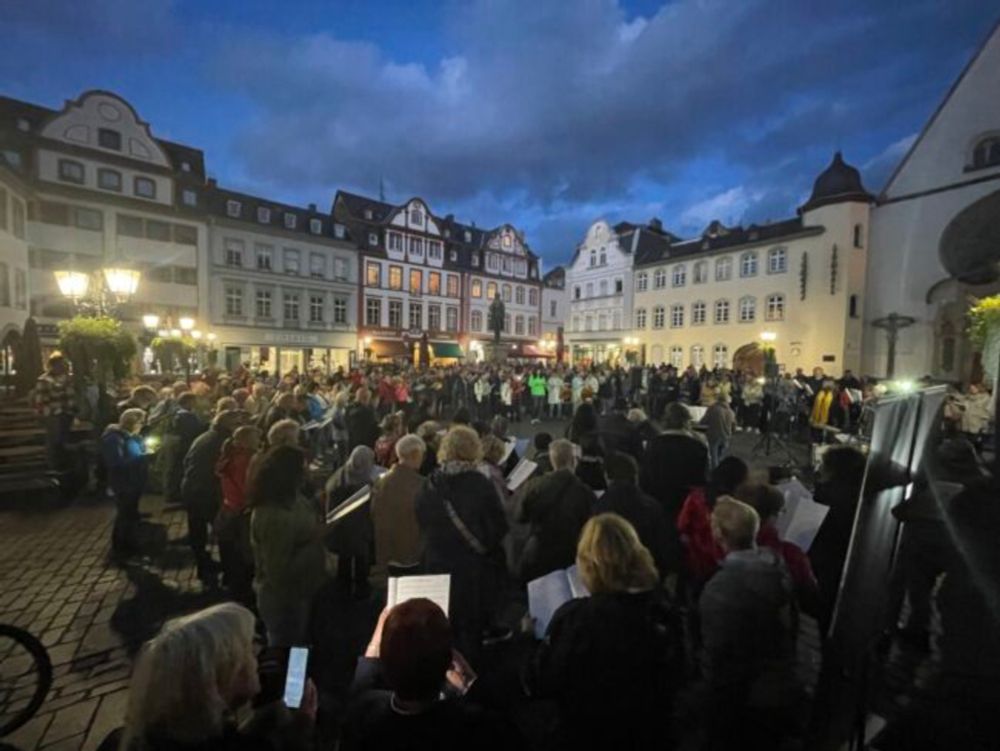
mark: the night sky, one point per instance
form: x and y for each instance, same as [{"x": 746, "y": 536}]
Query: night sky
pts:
[{"x": 545, "y": 113}]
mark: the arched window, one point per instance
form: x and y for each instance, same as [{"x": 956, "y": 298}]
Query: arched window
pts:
[
  {"x": 604, "y": 257},
  {"x": 658, "y": 316},
  {"x": 697, "y": 355},
  {"x": 748, "y": 264},
  {"x": 775, "y": 307},
  {"x": 748, "y": 309},
  {"x": 679, "y": 276},
  {"x": 677, "y": 356},
  {"x": 641, "y": 281},
  {"x": 701, "y": 272},
  {"x": 640, "y": 318},
  {"x": 593, "y": 258},
  {"x": 724, "y": 269},
  {"x": 722, "y": 311},
  {"x": 720, "y": 356},
  {"x": 659, "y": 279},
  {"x": 777, "y": 261},
  {"x": 986, "y": 153}
]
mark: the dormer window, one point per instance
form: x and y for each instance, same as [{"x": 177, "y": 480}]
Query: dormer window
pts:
[
  {"x": 185, "y": 166},
  {"x": 372, "y": 239},
  {"x": 23, "y": 124},
  {"x": 417, "y": 217},
  {"x": 475, "y": 259},
  {"x": 369, "y": 215},
  {"x": 315, "y": 226},
  {"x": 234, "y": 209},
  {"x": 109, "y": 139},
  {"x": 506, "y": 241},
  {"x": 263, "y": 215},
  {"x": 468, "y": 236},
  {"x": 291, "y": 220},
  {"x": 71, "y": 172},
  {"x": 144, "y": 187},
  {"x": 986, "y": 154},
  {"x": 339, "y": 231}
]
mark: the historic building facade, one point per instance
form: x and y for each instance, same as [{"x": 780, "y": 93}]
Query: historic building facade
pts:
[
  {"x": 798, "y": 284},
  {"x": 555, "y": 307},
  {"x": 936, "y": 233},
  {"x": 14, "y": 197},
  {"x": 283, "y": 284}
]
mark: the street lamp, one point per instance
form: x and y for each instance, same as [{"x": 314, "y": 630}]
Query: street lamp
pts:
[
  {"x": 768, "y": 336},
  {"x": 196, "y": 334},
  {"x": 72, "y": 284},
  {"x": 111, "y": 287},
  {"x": 121, "y": 282},
  {"x": 186, "y": 323},
  {"x": 150, "y": 320}
]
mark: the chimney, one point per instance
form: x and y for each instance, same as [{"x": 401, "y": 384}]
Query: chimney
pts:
[
  {"x": 312, "y": 207},
  {"x": 450, "y": 219},
  {"x": 655, "y": 224},
  {"x": 211, "y": 182}
]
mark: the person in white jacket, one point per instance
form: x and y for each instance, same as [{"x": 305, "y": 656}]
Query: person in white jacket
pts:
[{"x": 555, "y": 386}]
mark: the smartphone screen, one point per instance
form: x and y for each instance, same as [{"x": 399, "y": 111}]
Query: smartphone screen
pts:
[{"x": 295, "y": 679}]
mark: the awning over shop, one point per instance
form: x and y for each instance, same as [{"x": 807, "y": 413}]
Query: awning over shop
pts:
[
  {"x": 389, "y": 348},
  {"x": 528, "y": 350},
  {"x": 446, "y": 349}
]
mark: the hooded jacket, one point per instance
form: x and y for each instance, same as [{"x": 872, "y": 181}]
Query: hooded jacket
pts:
[{"x": 124, "y": 456}]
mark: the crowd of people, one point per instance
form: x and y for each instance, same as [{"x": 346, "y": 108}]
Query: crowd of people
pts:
[{"x": 688, "y": 635}]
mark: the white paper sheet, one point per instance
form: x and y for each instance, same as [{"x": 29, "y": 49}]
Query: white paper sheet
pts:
[
  {"x": 436, "y": 588},
  {"x": 548, "y": 593},
  {"x": 697, "y": 411},
  {"x": 521, "y": 472},
  {"x": 802, "y": 516}
]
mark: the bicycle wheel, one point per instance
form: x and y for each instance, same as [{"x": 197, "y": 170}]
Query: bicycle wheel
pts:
[{"x": 25, "y": 677}]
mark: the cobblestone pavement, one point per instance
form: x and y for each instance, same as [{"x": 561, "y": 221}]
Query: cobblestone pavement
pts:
[{"x": 92, "y": 615}]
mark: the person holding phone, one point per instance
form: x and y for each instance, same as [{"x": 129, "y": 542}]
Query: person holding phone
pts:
[{"x": 215, "y": 652}]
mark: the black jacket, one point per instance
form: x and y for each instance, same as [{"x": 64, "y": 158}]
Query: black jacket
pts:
[
  {"x": 200, "y": 486},
  {"x": 556, "y": 505},
  {"x": 618, "y": 434},
  {"x": 673, "y": 463},
  {"x": 650, "y": 522},
  {"x": 362, "y": 426}
]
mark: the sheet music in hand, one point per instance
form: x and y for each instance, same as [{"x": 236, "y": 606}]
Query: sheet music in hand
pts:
[
  {"x": 353, "y": 503},
  {"x": 801, "y": 518},
  {"x": 548, "y": 593},
  {"x": 436, "y": 588},
  {"x": 521, "y": 472}
]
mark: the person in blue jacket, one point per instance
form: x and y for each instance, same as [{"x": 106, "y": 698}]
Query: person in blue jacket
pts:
[{"x": 124, "y": 455}]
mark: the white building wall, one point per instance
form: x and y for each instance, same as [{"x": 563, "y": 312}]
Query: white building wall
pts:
[{"x": 14, "y": 279}]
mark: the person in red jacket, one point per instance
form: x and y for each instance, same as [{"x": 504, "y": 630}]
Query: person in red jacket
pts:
[{"x": 233, "y": 522}]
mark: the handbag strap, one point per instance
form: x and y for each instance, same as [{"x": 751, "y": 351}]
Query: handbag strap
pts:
[{"x": 464, "y": 532}]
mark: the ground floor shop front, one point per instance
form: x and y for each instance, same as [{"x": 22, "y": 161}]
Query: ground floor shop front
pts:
[{"x": 283, "y": 351}]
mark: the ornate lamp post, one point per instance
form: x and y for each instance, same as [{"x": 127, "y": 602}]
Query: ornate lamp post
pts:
[
  {"x": 892, "y": 324},
  {"x": 100, "y": 293}
]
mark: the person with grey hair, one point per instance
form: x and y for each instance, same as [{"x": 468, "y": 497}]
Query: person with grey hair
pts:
[
  {"x": 284, "y": 433},
  {"x": 124, "y": 455},
  {"x": 556, "y": 506},
  {"x": 393, "y": 505},
  {"x": 351, "y": 539}
]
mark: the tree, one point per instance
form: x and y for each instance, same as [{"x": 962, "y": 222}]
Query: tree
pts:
[
  {"x": 984, "y": 330},
  {"x": 496, "y": 316},
  {"x": 172, "y": 352},
  {"x": 99, "y": 348}
]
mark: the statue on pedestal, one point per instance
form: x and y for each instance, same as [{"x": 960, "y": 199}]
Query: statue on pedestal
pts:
[{"x": 495, "y": 322}]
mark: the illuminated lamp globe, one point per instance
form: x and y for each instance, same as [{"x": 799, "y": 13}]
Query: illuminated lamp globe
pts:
[
  {"x": 72, "y": 284},
  {"x": 121, "y": 282}
]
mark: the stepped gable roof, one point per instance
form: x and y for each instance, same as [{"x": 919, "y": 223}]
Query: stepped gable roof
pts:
[{"x": 839, "y": 182}]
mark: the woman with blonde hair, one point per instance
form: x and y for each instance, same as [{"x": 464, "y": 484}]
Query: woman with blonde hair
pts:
[
  {"x": 213, "y": 650},
  {"x": 626, "y": 632},
  {"x": 462, "y": 525}
]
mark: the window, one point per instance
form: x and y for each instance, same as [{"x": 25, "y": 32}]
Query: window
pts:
[
  {"x": 452, "y": 285},
  {"x": 94, "y": 220},
  {"x": 477, "y": 287},
  {"x": 109, "y": 179},
  {"x": 316, "y": 308},
  {"x": 263, "y": 303},
  {"x": 109, "y": 139},
  {"x": 532, "y": 296},
  {"x": 416, "y": 315},
  {"x": 720, "y": 356},
  {"x": 434, "y": 250},
  {"x": 698, "y": 313},
  {"x": 128, "y": 226},
  {"x": 291, "y": 261},
  {"x": 234, "y": 252},
  {"x": 506, "y": 322},
  {"x": 265, "y": 254},
  {"x": 475, "y": 259},
  {"x": 519, "y": 295},
  {"x": 394, "y": 241},
  {"x": 395, "y": 277},
  {"x": 532, "y": 326},
  {"x": 640, "y": 318},
  {"x": 3, "y": 209},
  {"x": 163, "y": 274},
  {"x": 144, "y": 187},
  {"x": 468, "y": 236},
  {"x": 373, "y": 312},
  {"x": 434, "y": 283},
  {"x": 593, "y": 258},
  {"x": 748, "y": 309},
  {"x": 4, "y": 285},
  {"x": 453, "y": 256},
  {"x": 590, "y": 289},
  {"x": 491, "y": 290},
  {"x": 853, "y": 306},
  {"x": 339, "y": 231},
  {"x": 317, "y": 265},
  {"x": 263, "y": 215},
  {"x": 553, "y": 307},
  {"x": 576, "y": 323},
  {"x": 185, "y": 166},
  {"x": 340, "y": 269},
  {"x": 519, "y": 325},
  {"x": 290, "y": 220},
  {"x": 71, "y": 172},
  {"x": 588, "y": 322},
  {"x": 189, "y": 197},
  {"x": 700, "y": 272},
  {"x": 777, "y": 261},
  {"x": 774, "y": 307},
  {"x": 185, "y": 275},
  {"x": 679, "y": 276},
  {"x": 677, "y": 356},
  {"x": 369, "y": 214},
  {"x": 602, "y": 321},
  {"x": 434, "y": 317},
  {"x": 603, "y": 287},
  {"x": 641, "y": 281},
  {"x": 417, "y": 247},
  {"x": 658, "y": 317},
  {"x": 659, "y": 279},
  {"x": 676, "y": 316},
  {"x": 157, "y": 230},
  {"x": 291, "y": 300},
  {"x": 476, "y": 320},
  {"x": 858, "y": 236},
  {"x": 619, "y": 286},
  {"x": 395, "y": 314},
  {"x": 451, "y": 318},
  {"x": 986, "y": 153},
  {"x": 417, "y": 217},
  {"x": 723, "y": 269},
  {"x": 604, "y": 257},
  {"x": 234, "y": 300},
  {"x": 20, "y": 289},
  {"x": 748, "y": 264},
  {"x": 505, "y": 292},
  {"x": 373, "y": 275},
  {"x": 373, "y": 238},
  {"x": 339, "y": 310},
  {"x": 722, "y": 311},
  {"x": 697, "y": 355},
  {"x": 316, "y": 227},
  {"x": 234, "y": 209},
  {"x": 185, "y": 234},
  {"x": 576, "y": 292},
  {"x": 416, "y": 281}
]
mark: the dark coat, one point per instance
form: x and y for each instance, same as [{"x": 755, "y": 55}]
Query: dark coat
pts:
[
  {"x": 354, "y": 535},
  {"x": 611, "y": 662},
  {"x": 124, "y": 457},
  {"x": 556, "y": 505},
  {"x": 362, "y": 426},
  {"x": 618, "y": 434},
  {"x": 647, "y": 516},
  {"x": 184, "y": 426},
  {"x": 673, "y": 463},
  {"x": 475, "y": 577},
  {"x": 200, "y": 486}
]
